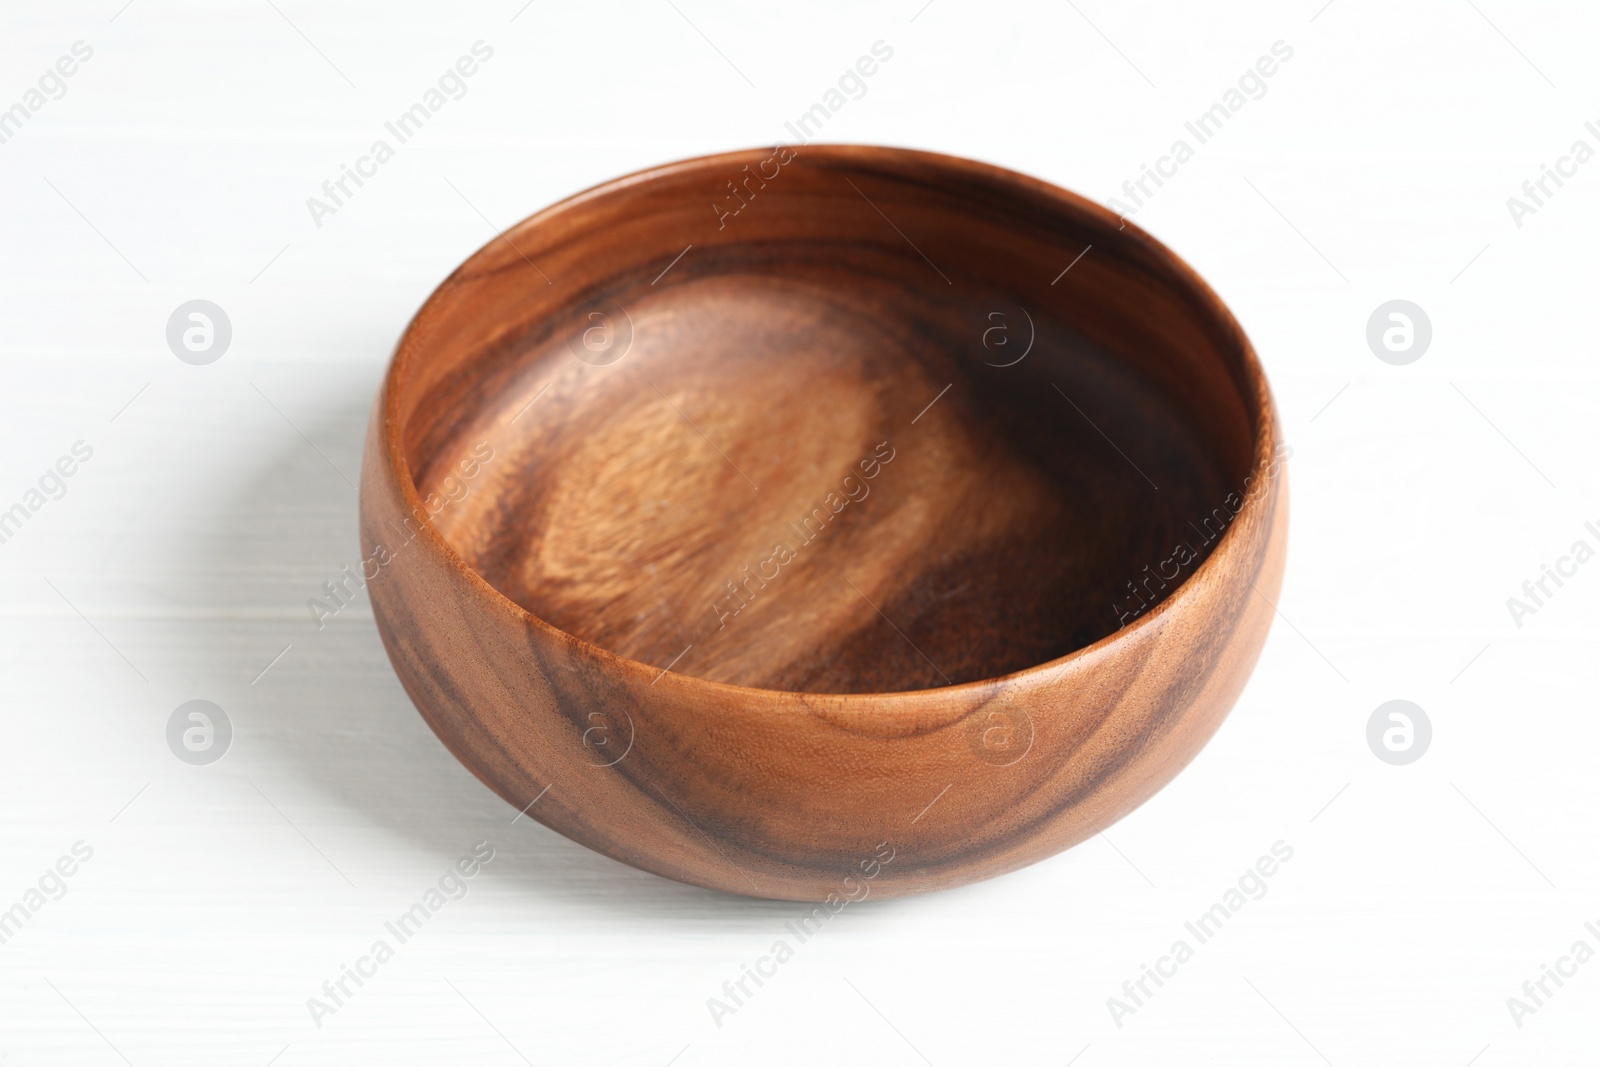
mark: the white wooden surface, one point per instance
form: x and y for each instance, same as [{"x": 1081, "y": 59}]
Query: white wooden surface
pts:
[{"x": 177, "y": 564}]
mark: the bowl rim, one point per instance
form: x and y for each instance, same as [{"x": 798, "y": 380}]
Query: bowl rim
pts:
[{"x": 1257, "y": 398}]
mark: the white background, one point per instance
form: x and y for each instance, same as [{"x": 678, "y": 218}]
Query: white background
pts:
[{"x": 1376, "y": 167}]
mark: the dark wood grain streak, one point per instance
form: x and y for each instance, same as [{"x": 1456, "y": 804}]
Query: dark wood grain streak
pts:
[{"x": 947, "y": 652}]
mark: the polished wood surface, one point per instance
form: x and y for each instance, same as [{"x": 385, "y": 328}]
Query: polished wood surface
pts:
[{"x": 919, "y": 508}]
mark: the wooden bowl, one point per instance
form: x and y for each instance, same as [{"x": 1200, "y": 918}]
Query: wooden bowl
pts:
[{"x": 814, "y": 522}]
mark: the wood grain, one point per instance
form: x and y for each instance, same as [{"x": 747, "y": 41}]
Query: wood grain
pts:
[{"x": 954, "y": 505}]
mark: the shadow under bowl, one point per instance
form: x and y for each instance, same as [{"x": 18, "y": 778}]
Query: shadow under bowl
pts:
[{"x": 790, "y": 521}]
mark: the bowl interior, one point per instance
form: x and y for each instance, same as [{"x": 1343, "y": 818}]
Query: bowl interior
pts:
[{"x": 854, "y": 439}]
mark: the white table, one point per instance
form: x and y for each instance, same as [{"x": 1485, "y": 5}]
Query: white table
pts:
[{"x": 218, "y": 498}]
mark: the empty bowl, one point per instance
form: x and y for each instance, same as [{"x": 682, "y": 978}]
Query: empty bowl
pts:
[{"x": 824, "y": 521}]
